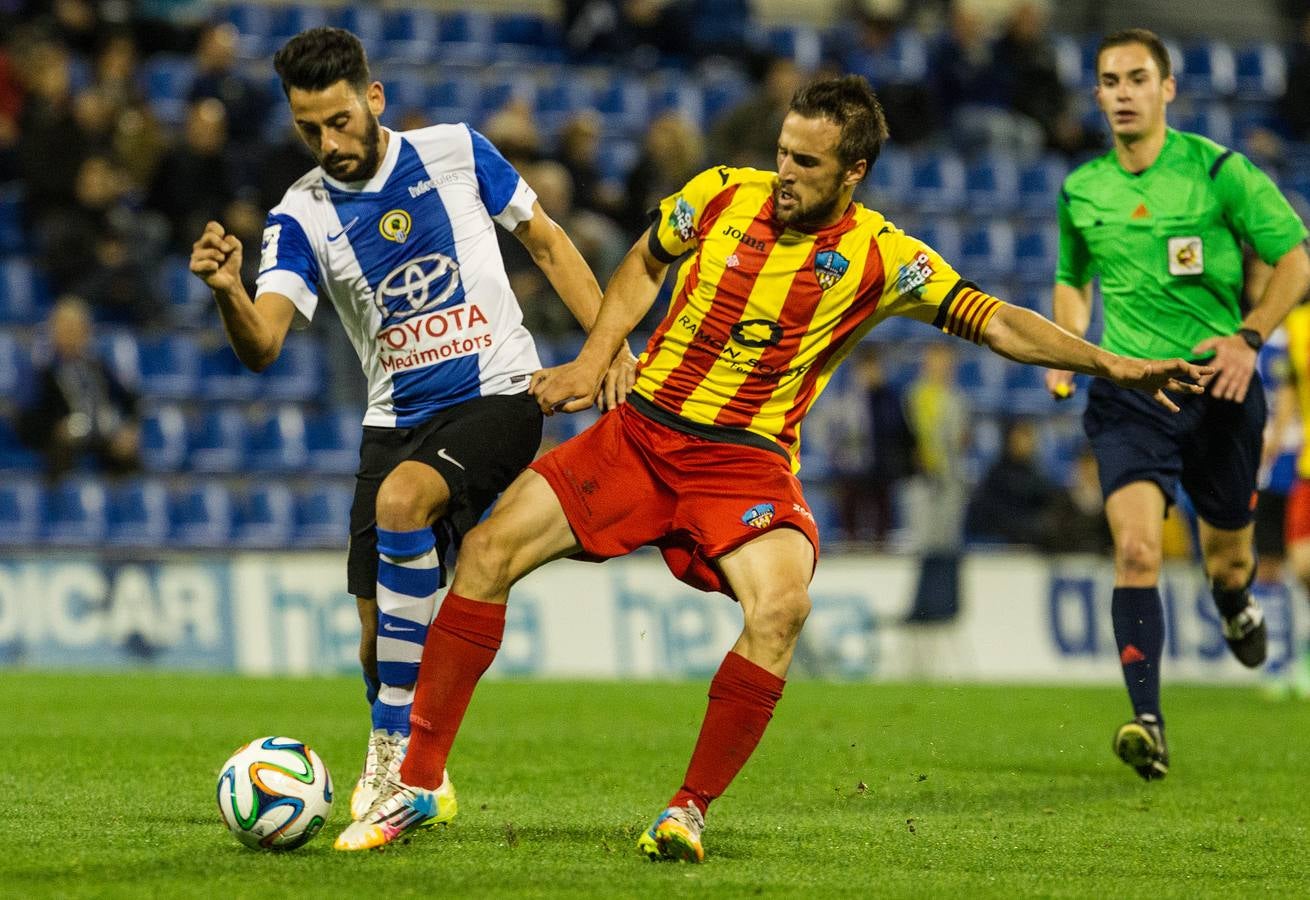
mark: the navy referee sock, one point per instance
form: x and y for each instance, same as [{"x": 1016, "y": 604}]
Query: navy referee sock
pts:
[{"x": 1138, "y": 617}]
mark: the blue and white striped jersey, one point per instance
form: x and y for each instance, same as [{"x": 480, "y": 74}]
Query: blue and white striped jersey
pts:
[{"x": 410, "y": 261}]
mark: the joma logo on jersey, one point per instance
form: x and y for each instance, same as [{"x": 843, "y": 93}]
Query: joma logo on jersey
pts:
[
  {"x": 416, "y": 286},
  {"x": 737, "y": 234}
]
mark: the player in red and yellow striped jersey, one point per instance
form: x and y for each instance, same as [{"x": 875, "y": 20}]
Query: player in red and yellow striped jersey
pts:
[{"x": 787, "y": 274}]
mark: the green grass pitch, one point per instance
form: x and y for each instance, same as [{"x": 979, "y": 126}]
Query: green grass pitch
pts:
[{"x": 107, "y": 789}]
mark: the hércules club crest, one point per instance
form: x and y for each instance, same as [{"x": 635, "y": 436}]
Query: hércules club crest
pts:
[{"x": 829, "y": 267}]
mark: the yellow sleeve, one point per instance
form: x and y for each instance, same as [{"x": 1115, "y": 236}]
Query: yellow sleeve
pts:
[
  {"x": 922, "y": 285},
  {"x": 676, "y": 226}
]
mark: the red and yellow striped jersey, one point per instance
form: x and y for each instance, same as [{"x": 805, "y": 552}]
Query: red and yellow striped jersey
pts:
[{"x": 762, "y": 314}]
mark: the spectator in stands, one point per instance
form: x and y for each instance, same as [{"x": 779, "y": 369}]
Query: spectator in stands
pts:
[
  {"x": 868, "y": 495},
  {"x": 1015, "y": 502},
  {"x": 913, "y": 111},
  {"x": 637, "y": 33},
  {"x": 970, "y": 91},
  {"x": 747, "y": 134},
  {"x": 939, "y": 418},
  {"x": 218, "y": 76},
  {"x": 196, "y": 180},
  {"x": 79, "y": 410},
  {"x": 513, "y": 130},
  {"x": 579, "y": 150},
  {"x": 49, "y": 151},
  {"x": 11, "y": 108},
  {"x": 1294, "y": 105},
  {"x": 1078, "y": 523},
  {"x": 116, "y": 70},
  {"x": 671, "y": 155}
]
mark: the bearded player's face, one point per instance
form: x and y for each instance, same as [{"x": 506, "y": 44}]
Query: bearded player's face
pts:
[
  {"x": 340, "y": 127},
  {"x": 813, "y": 188}
]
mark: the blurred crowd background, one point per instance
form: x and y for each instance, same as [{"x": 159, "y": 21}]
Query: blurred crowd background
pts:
[{"x": 125, "y": 126}]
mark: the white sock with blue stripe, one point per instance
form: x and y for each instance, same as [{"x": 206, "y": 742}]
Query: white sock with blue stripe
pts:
[{"x": 409, "y": 576}]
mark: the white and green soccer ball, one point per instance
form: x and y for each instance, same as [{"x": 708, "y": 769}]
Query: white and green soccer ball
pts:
[{"x": 274, "y": 793}]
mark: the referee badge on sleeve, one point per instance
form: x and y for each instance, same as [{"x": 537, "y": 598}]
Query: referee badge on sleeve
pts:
[{"x": 1186, "y": 256}]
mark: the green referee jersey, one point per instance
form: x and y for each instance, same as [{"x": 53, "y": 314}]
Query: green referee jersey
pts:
[{"x": 1167, "y": 243}]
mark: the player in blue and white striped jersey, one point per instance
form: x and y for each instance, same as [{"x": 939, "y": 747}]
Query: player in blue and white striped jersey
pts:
[{"x": 397, "y": 230}]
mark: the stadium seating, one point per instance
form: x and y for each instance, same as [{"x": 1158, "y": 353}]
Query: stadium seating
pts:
[
  {"x": 15, "y": 456},
  {"x": 409, "y": 34},
  {"x": 276, "y": 443},
  {"x": 12, "y": 237},
  {"x": 163, "y": 439},
  {"x": 1209, "y": 69},
  {"x": 991, "y": 185},
  {"x": 987, "y": 251},
  {"x": 218, "y": 443},
  {"x": 201, "y": 516},
  {"x": 1261, "y": 72},
  {"x": 264, "y": 518},
  {"x": 323, "y": 516},
  {"x": 15, "y": 366},
  {"x": 137, "y": 514},
  {"x": 20, "y": 513},
  {"x": 170, "y": 367},
  {"x": 75, "y": 513},
  {"x": 333, "y": 439},
  {"x": 24, "y": 295},
  {"x": 937, "y": 183}
]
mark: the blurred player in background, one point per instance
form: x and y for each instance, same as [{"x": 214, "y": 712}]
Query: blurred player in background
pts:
[
  {"x": 1161, "y": 219},
  {"x": 1297, "y": 533},
  {"x": 396, "y": 229},
  {"x": 787, "y": 275}
]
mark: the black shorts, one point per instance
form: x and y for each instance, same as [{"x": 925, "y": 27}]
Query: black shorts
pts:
[
  {"x": 478, "y": 447},
  {"x": 1211, "y": 446}
]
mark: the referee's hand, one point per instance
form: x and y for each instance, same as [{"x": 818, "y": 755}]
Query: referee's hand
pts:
[
  {"x": 1155, "y": 376},
  {"x": 1234, "y": 364}
]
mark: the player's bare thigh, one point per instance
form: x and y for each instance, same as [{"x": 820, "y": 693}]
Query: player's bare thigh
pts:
[
  {"x": 526, "y": 529},
  {"x": 771, "y": 576},
  {"x": 1136, "y": 515},
  {"x": 412, "y": 496}
]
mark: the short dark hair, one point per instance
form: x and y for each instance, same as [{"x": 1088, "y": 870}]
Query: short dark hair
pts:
[
  {"x": 853, "y": 106},
  {"x": 1148, "y": 39},
  {"x": 318, "y": 58}
]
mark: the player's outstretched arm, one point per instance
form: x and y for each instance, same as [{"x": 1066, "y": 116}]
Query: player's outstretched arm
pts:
[
  {"x": 574, "y": 386},
  {"x": 1024, "y": 336},
  {"x": 255, "y": 330}
]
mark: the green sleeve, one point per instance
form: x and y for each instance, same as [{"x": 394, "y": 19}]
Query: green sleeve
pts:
[
  {"x": 1255, "y": 208},
  {"x": 1074, "y": 265}
]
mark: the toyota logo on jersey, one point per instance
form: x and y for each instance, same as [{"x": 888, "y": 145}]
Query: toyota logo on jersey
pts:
[{"x": 416, "y": 286}]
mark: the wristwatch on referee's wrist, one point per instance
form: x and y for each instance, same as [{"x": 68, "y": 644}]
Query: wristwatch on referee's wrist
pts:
[{"x": 1252, "y": 338}]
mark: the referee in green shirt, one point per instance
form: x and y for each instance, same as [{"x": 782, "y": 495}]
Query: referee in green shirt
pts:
[{"x": 1161, "y": 220}]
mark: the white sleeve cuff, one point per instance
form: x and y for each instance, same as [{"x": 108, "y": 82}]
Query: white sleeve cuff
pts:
[
  {"x": 519, "y": 208},
  {"x": 291, "y": 286}
]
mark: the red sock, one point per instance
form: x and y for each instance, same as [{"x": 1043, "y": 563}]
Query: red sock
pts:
[
  {"x": 461, "y": 643},
  {"x": 742, "y": 697}
]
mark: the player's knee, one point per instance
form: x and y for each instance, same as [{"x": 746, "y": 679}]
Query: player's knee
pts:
[
  {"x": 1136, "y": 557},
  {"x": 779, "y": 615},
  {"x": 400, "y": 505},
  {"x": 1230, "y": 571}
]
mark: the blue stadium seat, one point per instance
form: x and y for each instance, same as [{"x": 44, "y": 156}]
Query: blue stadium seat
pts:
[
  {"x": 163, "y": 439},
  {"x": 297, "y": 374},
  {"x": 1261, "y": 72},
  {"x": 801, "y": 43},
  {"x": 987, "y": 251},
  {"x": 615, "y": 160},
  {"x": 888, "y": 185},
  {"x": 201, "y": 516},
  {"x": 137, "y": 514},
  {"x": 323, "y": 515},
  {"x": 722, "y": 93},
  {"x": 496, "y": 93},
  {"x": 466, "y": 38},
  {"x": 1209, "y": 69},
  {"x": 333, "y": 441},
  {"x": 625, "y": 104},
  {"x": 119, "y": 350},
  {"x": 559, "y": 99},
  {"x": 24, "y": 293},
  {"x": 525, "y": 37},
  {"x": 1212, "y": 120},
  {"x": 1035, "y": 253},
  {"x": 943, "y": 235},
  {"x": 170, "y": 367},
  {"x": 15, "y": 456},
  {"x": 265, "y": 518},
  {"x": 684, "y": 98},
  {"x": 991, "y": 184},
  {"x": 411, "y": 35},
  {"x": 904, "y": 61},
  {"x": 937, "y": 182},
  {"x": 20, "y": 513},
  {"x": 1025, "y": 391},
  {"x": 276, "y": 443},
  {"x": 286, "y": 21},
  {"x": 15, "y": 367},
  {"x": 1075, "y": 71},
  {"x": 366, "y": 23},
  {"x": 190, "y": 303},
  {"x": 223, "y": 377},
  {"x": 168, "y": 79},
  {"x": 981, "y": 376},
  {"x": 218, "y": 443},
  {"x": 75, "y": 513},
  {"x": 1039, "y": 186},
  {"x": 253, "y": 22},
  {"x": 13, "y": 236}
]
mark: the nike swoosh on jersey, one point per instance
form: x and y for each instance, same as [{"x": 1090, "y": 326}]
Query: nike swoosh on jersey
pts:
[
  {"x": 448, "y": 458},
  {"x": 344, "y": 229}
]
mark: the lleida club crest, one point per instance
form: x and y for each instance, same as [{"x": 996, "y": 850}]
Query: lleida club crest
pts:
[
  {"x": 830, "y": 266},
  {"x": 758, "y": 516}
]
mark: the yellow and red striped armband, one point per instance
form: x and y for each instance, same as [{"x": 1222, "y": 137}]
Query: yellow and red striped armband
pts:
[{"x": 969, "y": 312}]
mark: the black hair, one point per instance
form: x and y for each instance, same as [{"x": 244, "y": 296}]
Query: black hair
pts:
[
  {"x": 318, "y": 58},
  {"x": 853, "y": 106},
  {"x": 1148, "y": 39}
]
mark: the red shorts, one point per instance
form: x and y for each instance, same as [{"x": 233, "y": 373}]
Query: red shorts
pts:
[
  {"x": 1296, "y": 527},
  {"x": 628, "y": 481}
]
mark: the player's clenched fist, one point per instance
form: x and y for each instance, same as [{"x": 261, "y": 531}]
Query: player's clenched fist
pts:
[{"x": 216, "y": 259}]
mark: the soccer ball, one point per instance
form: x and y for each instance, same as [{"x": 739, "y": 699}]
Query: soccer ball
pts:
[{"x": 274, "y": 793}]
